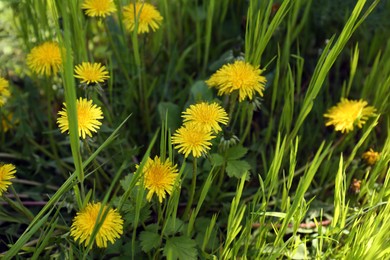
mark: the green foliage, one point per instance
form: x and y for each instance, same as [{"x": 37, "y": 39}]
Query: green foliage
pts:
[{"x": 276, "y": 183}]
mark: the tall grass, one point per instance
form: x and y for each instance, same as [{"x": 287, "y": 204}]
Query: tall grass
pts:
[{"x": 276, "y": 184}]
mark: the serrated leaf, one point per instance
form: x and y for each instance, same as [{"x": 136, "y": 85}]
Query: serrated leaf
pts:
[
  {"x": 125, "y": 182},
  {"x": 236, "y": 152},
  {"x": 173, "y": 226},
  {"x": 180, "y": 248},
  {"x": 237, "y": 168},
  {"x": 149, "y": 240},
  {"x": 217, "y": 159}
]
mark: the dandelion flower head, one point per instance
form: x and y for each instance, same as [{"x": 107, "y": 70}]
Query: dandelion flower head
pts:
[
  {"x": 7, "y": 172},
  {"x": 371, "y": 157},
  {"x": 91, "y": 72},
  {"x": 45, "y": 59},
  {"x": 240, "y": 76},
  {"x": 88, "y": 116},
  {"x": 4, "y": 91},
  {"x": 192, "y": 138},
  {"x": 159, "y": 177},
  {"x": 148, "y": 15},
  {"x": 86, "y": 220},
  {"x": 348, "y": 113},
  {"x": 100, "y": 8},
  {"x": 206, "y": 115}
]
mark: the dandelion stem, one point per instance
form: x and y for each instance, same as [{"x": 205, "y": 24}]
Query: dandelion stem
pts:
[{"x": 192, "y": 189}]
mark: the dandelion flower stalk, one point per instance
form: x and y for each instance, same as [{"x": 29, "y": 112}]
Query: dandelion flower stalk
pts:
[{"x": 192, "y": 190}]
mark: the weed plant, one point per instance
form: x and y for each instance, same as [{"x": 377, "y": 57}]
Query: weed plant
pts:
[{"x": 188, "y": 129}]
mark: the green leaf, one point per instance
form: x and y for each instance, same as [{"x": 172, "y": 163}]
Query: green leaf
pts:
[
  {"x": 149, "y": 240},
  {"x": 201, "y": 92},
  {"x": 217, "y": 159},
  {"x": 180, "y": 248},
  {"x": 236, "y": 152},
  {"x": 173, "y": 226},
  {"x": 172, "y": 111},
  {"x": 237, "y": 168},
  {"x": 125, "y": 182}
]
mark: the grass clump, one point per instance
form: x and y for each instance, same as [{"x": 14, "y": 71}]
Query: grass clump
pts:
[{"x": 194, "y": 130}]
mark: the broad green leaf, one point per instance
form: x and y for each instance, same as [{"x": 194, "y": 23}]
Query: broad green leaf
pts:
[
  {"x": 180, "y": 248},
  {"x": 217, "y": 159},
  {"x": 236, "y": 152},
  {"x": 201, "y": 92},
  {"x": 237, "y": 168},
  {"x": 173, "y": 226},
  {"x": 172, "y": 111},
  {"x": 149, "y": 240}
]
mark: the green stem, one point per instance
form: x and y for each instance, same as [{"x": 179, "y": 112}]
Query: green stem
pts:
[
  {"x": 248, "y": 124},
  {"x": 192, "y": 190}
]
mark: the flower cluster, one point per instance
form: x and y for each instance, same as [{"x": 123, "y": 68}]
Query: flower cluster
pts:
[
  {"x": 239, "y": 77},
  {"x": 87, "y": 219},
  {"x": 201, "y": 123}
]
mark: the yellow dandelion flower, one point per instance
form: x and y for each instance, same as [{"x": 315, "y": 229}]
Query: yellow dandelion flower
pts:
[
  {"x": 7, "y": 122},
  {"x": 348, "y": 113},
  {"x": 371, "y": 157},
  {"x": 100, "y": 8},
  {"x": 91, "y": 72},
  {"x": 191, "y": 138},
  {"x": 7, "y": 172},
  {"x": 149, "y": 17},
  {"x": 4, "y": 91},
  {"x": 86, "y": 220},
  {"x": 206, "y": 115},
  {"x": 159, "y": 177},
  {"x": 45, "y": 59},
  {"x": 88, "y": 116},
  {"x": 240, "y": 76}
]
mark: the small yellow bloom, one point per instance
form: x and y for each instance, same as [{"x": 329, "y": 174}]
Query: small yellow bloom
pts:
[
  {"x": 91, "y": 72},
  {"x": 101, "y": 8},
  {"x": 159, "y": 177},
  {"x": 86, "y": 220},
  {"x": 206, "y": 115},
  {"x": 371, "y": 157},
  {"x": 4, "y": 91},
  {"x": 240, "y": 76},
  {"x": 149, "y": 17},
  {"x": 7, "y": 172},
  {"x": 192, "y": 138},
  {"x": 88, "y": 116},
  {"x": 348, "y": 113},
  {"x": 45, "y": 59},
  {"x": 7, "y": 122}
]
